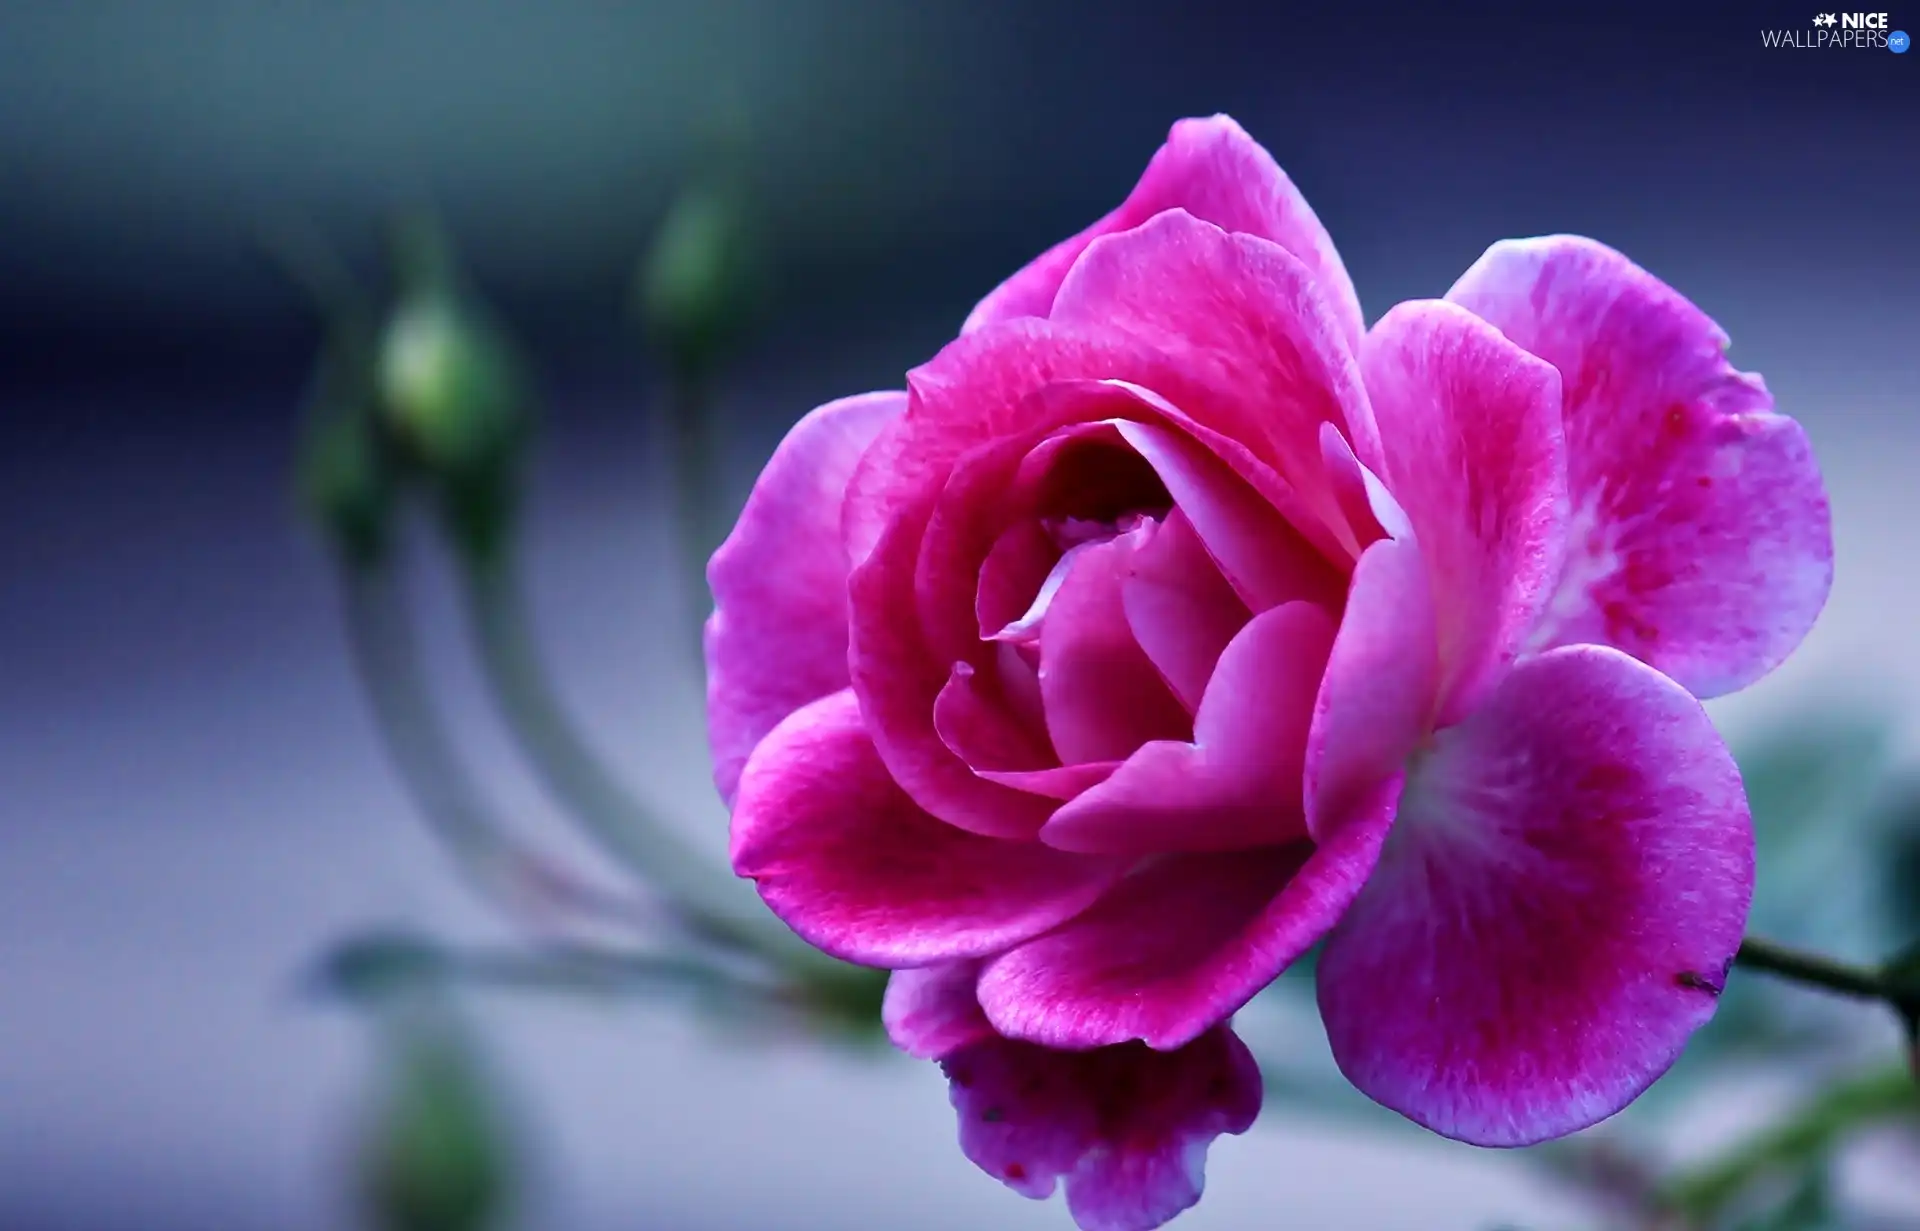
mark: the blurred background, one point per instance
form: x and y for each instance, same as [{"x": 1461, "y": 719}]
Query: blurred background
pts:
[{"x": 196, "y": 801}]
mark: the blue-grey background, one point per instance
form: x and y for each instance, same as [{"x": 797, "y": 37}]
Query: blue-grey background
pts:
[{"x": 191, "y": 797}]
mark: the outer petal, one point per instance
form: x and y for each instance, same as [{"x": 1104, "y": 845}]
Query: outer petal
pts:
[
  {"x": 1556, "y": 911},
  {"x": 1472, "y": 450},
  {"x": 1125, "y": 1127},
  {"x": 1702, "y": 542},
  {"x": 930, "y": 1012},
  {"x": 1183, "y": 943},
  {"x": 1212, "y": 169},
  {"x": 1238, "y": 314},
  {"x": 856, "y": 868},
  {"x": 777, "y": 638},
  {"x": 1377, "y": 697},
  {"x": 1237, "y": 785}
]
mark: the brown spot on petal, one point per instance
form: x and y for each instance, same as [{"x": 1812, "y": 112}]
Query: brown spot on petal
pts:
[
  {"x": 1016, "y": 1172},
  {"x": 1694, "y": 981},
  {"x": 993, "y": 1115}
]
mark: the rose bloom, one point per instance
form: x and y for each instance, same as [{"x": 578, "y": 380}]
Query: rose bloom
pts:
[{"x": 1172, "y": 621}]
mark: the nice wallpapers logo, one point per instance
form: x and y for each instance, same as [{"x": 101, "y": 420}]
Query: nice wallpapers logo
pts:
[{"x": 1843, "y": 32}]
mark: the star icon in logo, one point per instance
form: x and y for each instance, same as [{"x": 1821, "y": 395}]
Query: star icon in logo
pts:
[{"x": 1823, "y": 19}]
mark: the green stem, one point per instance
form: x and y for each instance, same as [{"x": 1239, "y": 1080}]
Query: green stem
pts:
[
  {"x": 379, "y": 964},
  {"x": 1815, "y": 970},
  {"x": 499, "y": 867},
  {"x": 303, "y": 257},
  {"x": 1812, "y": 1133},
  {"x": 694, "y": 479},
  {"x": 706, "y": 900}
]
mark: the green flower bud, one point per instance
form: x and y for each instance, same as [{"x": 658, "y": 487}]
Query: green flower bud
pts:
[
  {"x": 700, "y": 285},
  {"x": 453, "y": 391},
  {"x": 450, "y": 384}
]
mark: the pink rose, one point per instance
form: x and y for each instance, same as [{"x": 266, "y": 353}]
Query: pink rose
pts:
[{"x": 1172, "y": 621}]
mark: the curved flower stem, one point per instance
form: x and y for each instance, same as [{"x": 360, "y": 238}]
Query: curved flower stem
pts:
[
  {"x": 708, "y": 901},
  {"x": 694, "y": 478},
  {"x": 1815, "y": 970},
  {"x": 498, "y": 866},
  {"x": 305, "y": 260},
  {"x": 377, "y": 964}
]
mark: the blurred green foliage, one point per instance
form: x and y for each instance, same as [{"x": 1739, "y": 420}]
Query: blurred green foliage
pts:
[
  {"x": 1819, "y": 786},
  {"x": 346, "y": 482},
  {"x": 439, "y": 1153}
]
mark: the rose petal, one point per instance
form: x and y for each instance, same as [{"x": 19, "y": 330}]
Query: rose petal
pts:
[
  {"x": 1014, "y": 588},
  {"x": 1026, "y": 378},
  {"x": 890, "y": 474},
  {"x": 1377, "y": 698},
  {"x": 1237, "y": 785},
  {"x": 1018, "y": 669},
  {"x": 1702, "y": 542},
  {"x": 1025, "y": 628},
  {"x": 898, "y": 678},
  {"x": 986, "y": 388},
  {"x": 1031, "y": 377},
  {"x": 1079, "y": 472},
  {"x": 980, "y": 408},
  {"x": 849, "y": 862},
  {"x": 1326, "y": 535},
  {"x": 1236, "y": 316},
  {"x": 1086, "y": 472},
  {"x": 987, "y": 728},
  {"x": 975, "y": 721},
  {"x": 1370, "y": 512},
  {"x": 1103, "y": 697},
  {"x": 1473, "y": 452},
  {"x": 1555, "y": 913},
  {"x": 1126, "y": 1128},
  {"x": 1261, "y": 555},
  {"x": 1059, "y": 782},
  {"x": 777, "y": 638},
  {"x": 931, "y": 1012},
  {"x": 1183, "y": 943},
  {"x": 1212, "y": 169},
  {"x": 1181, "y": 610}
]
